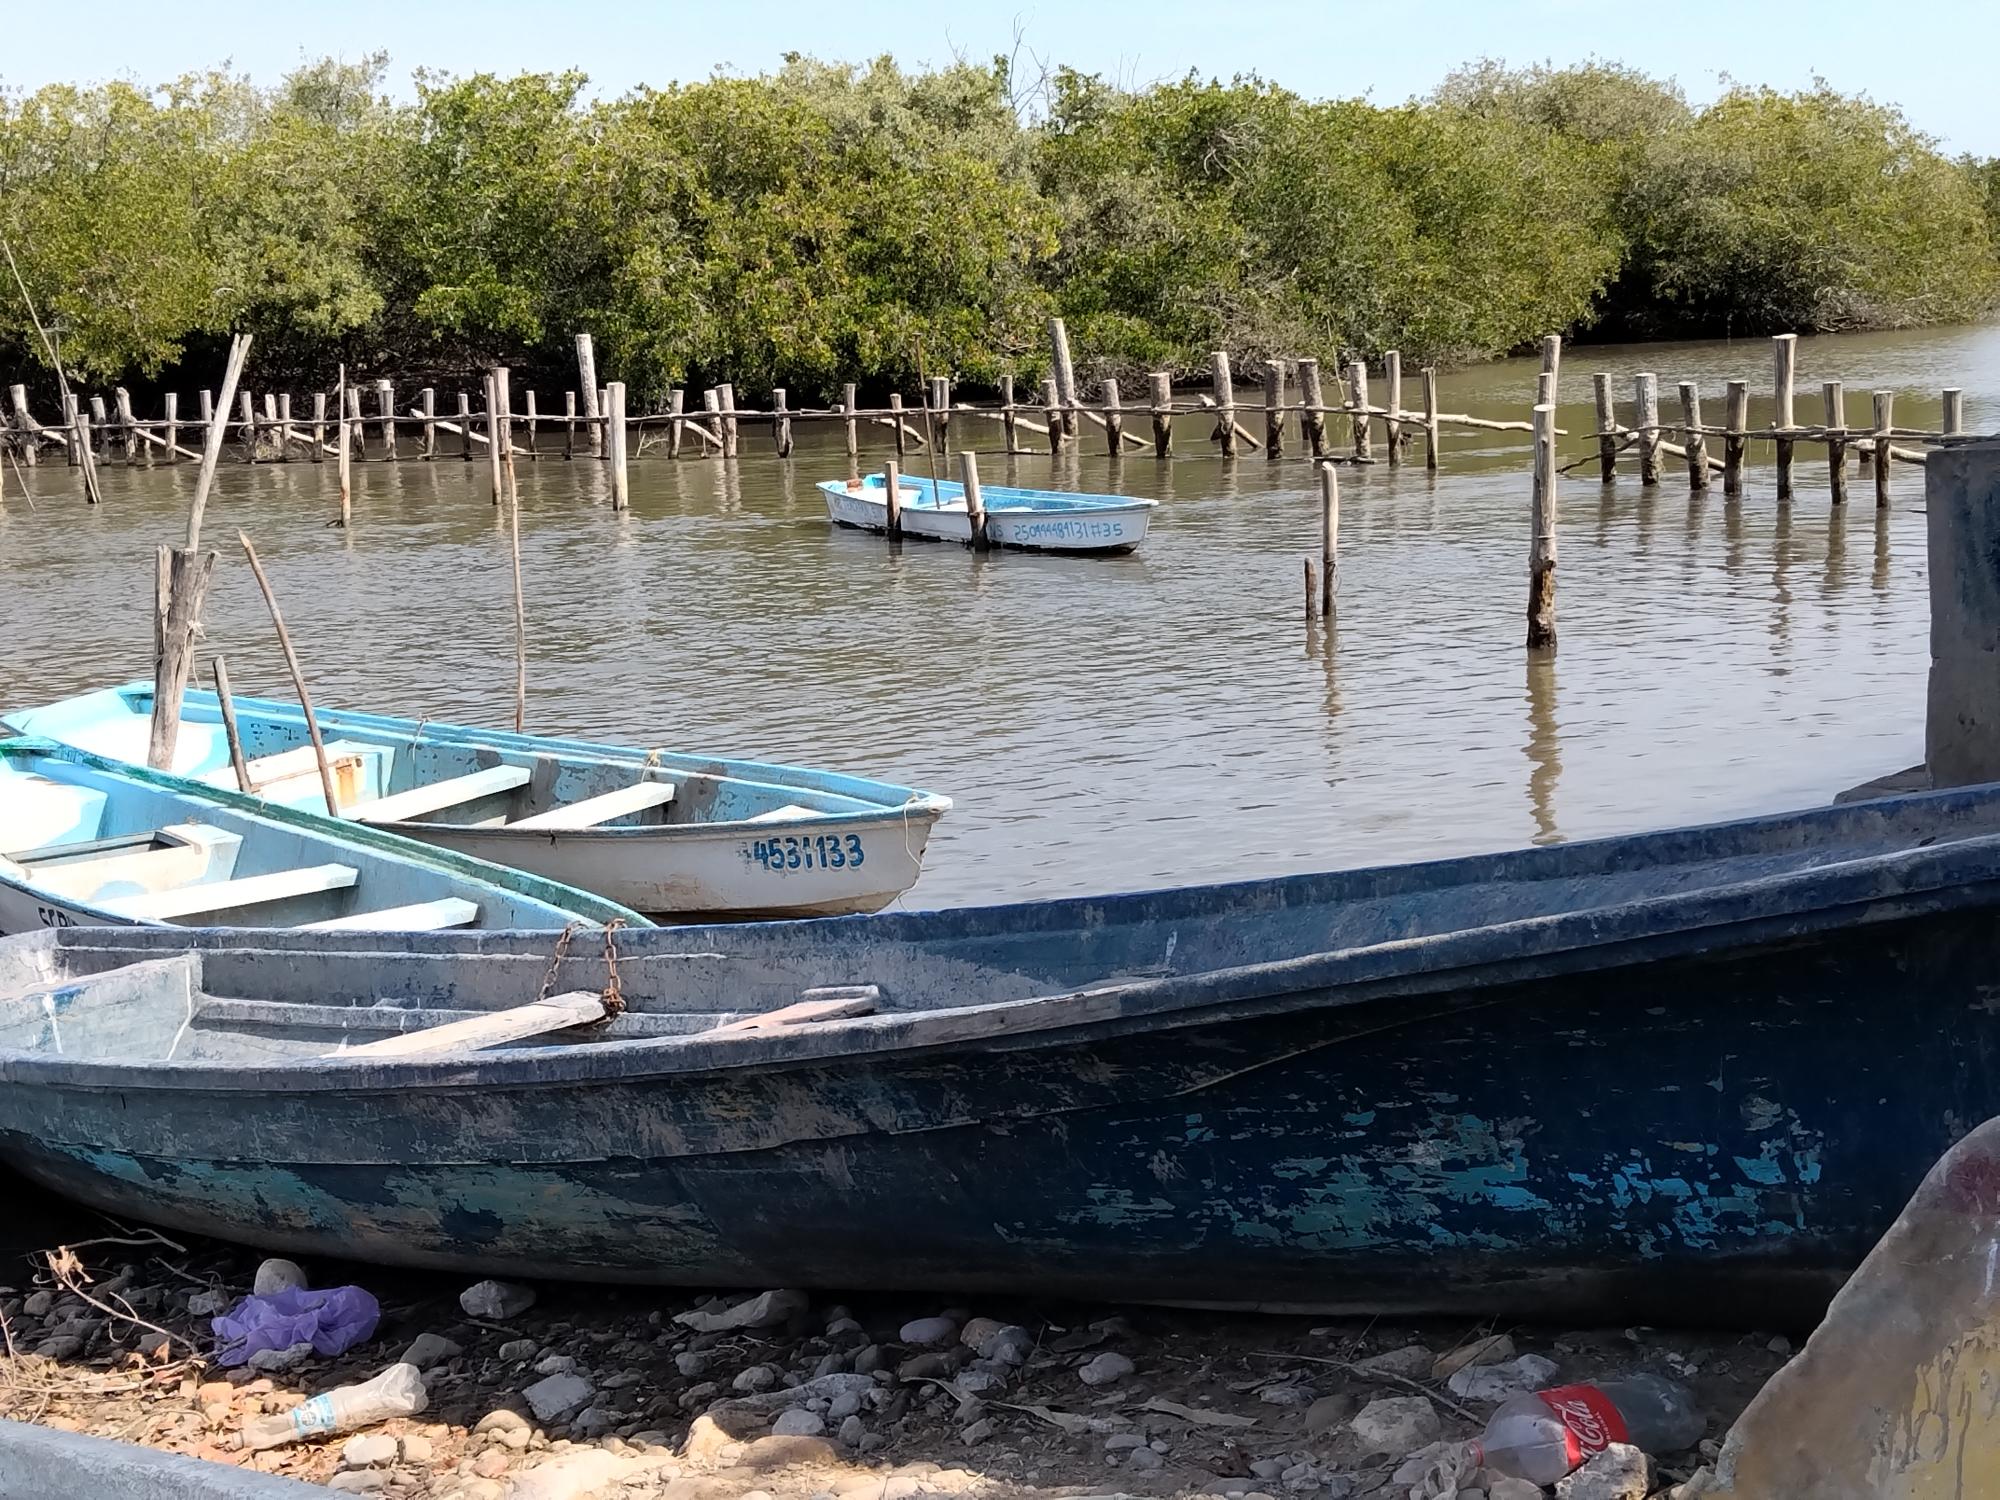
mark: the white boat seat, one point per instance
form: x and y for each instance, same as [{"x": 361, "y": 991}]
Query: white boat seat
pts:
[
  {"x": 790, "y": 813},
  {"x": 169, "y": 858},
  {"x": 227, "y": 895},
  {"x": 420, "y": 916},
  {"x": 435, "y": 796},
  {"x": 343, "y": 758},
  {"x": 591, "y": 811},
  {"x": 577, "y": 1008}
]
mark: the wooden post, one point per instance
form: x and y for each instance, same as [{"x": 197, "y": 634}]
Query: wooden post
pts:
[
  {"x": 24, "y": 422},
  {"x": 1274, "y": 407},
  {"x": 1162, "y": 384},
  {"x": 100, "y": 422},
  {"x": 385, "y": 408},
  {"x": 781, "y": 423},
  {"x": 1542, "y": 552},
  {"x": 1607, "y": 427},
  {"x": 896, "y": 420},
  {"x": 711, "y": 402},
  {"x": 569, "y": 423},
  {"x": 1392, "y": 397},
  {"x": 205, "y": 400},
  {"x": 534, "y": 423},
  {"x": 1430, "y": 418},
  {"x": 892, "y": 501},
  {"x": 493, "y": 440},
  {"x": 1225, "y": 401},
  {"x": 1834, "y": 394},
  {"x": 1114, "y": 420},
  {"x": 246, "y": 425},
  {"x": 1697, "y": 443},
  {"x": 1052, "y": 406},
  {"x": 1329, "y": 539},
  {"x": 465, "y": 427},
  {"x": 69, "y": 410},
  {"x": 427, "y": 403},
  {"x": 285, "y": 433},
  {"x": 1954, "y": 412},
  {"x": 319, "y": 427},
  {"x": 586, "y": 378},
  {"x": 1784, "y": 359},
  {"x": 728, "y": 394},
  {"x": 1312, "y": 421},
  {"x": 1885, "y": 403},
  {"x": 621, "y": 494},
  {"x": 226, "y": 701},
  {"x": 676, "y": 431},
  {"x": 938, "y": 395},
  {"x": 1065, "y": 374},
  {"x": 1737, "y": 420},
  {"x": 81, "y": 426},
  {"x": 344, "y": 444},
  {"x": 975, "y": 503},
  {"x": 122, "y": 404},
  {"x": 604, "y": 399},
  {"x": 326, "y": 784},
  {"x": 1552, "y": 353},
  {"x": 173, "y": 415},
  {"x": 1008, "y": 430},
  {"x": 274, "y": 427},
  {"x": 1646, "y": 397},
  {"x": 847, "y": 405},
  {"x": 1357, "y": 380}
]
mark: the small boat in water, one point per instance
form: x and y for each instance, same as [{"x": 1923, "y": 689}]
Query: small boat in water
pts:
[
  {"x": 1038, "y": 520},
  {"x": 1690, "y": 1074},
  {"x": 84, "y": 840},
  {"x": 667, "y": 834}
]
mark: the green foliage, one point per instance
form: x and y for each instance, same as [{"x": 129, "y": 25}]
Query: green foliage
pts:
[{"x": 828, "y": 223}]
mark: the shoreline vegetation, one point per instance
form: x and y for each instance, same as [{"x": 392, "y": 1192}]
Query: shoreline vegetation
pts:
[{"x": 829, "y": 223}]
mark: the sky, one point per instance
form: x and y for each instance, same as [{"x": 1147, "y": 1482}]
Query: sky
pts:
[{"x": 1940, "y": 68}]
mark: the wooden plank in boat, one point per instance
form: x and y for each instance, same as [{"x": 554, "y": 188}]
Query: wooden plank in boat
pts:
[
  {"x": 419, "y": 916},
  {"x": 266, "y": 769},
  {"x": 418, "y": 801},
  {"x": 591, "y": 811},
  {"x": 834, "y": 1003},
  {"x": 226, "y": 895},
  {"x": 576, "y": 1008}
]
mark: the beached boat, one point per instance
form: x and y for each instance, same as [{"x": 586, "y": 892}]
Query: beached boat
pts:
[
  {"x": 1039, "y": 520},
  {"x": 84, "y": 840},
  {"x": 668, "y": 834},
  {"x": 1676, "y": 1075}
]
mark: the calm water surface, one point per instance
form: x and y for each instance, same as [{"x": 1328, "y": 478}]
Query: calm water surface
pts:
[{"x": 1105, "y": 723}]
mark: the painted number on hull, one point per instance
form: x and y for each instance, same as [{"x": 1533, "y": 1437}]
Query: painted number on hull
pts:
[{"x": 824, "y": 851}]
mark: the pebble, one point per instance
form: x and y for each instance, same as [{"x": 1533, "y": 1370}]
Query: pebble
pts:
[
  {"x": 694, "y": 1362},
  {"x": 844, "y": 1405},
  {"x": 519, "y": 1351},
  {"x": 921, "y": 1367},
  {"x": 1107, "y": 1369},
  {"x": 978, "y": 1432},
  {"x": 870, "y": 1359},
  {"x": 1620, "y": 1472},
  {"x": 1778, "y": 1345},
  {"x": 418, "y": 1449},
  {"x": 1508, "y": 1488},
  {"x": 368, "y": 1450},
  {"x": 765, "y": 1310},
  {"x": 1269, "y": 1468},
  {"x": 1286, "y": 1395},
  {"x": 359, "y": 1481},
  {"x": 978, "y": 1330},
  {"x": 1119, "y": 1442},
  {"x": 798, "y": 1422},
  {"x": 502, "y": 1420},
  {"x": 1496, "y": 1349},
  {"x": 1396, "y": 1424},
  {"x": 428, "y": 1349},
  {"x": 1413, "y": 1468},
  {"x": 1328, "y": 1413},
  {"x": 555, "y": 1364},
  {"x": 64, "y": 1346},
  {"x": 1145, "y": 1458},
  {"x": 39, "y": 1303},
  {"x": 275, "y": 1276},
  {"x": 496, "y": 1301},
  {"x": 1412, "y": 1362},
  {"x": 492, "y": 1463},
  {"x": 853, "y": 1430},
  {"x": 756, "y": 1378},
  {"x": 923, "y": 1331},
  {"x": 557, "y": 1396}
]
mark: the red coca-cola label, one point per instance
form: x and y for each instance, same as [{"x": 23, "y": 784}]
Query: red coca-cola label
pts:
[{"x": 1590, "y": 1422}]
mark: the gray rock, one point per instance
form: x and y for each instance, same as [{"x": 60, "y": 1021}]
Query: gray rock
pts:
[
  {"x": 556, "y": 1397},
  {"x": 1494, "y": 1349},
  {"x": 756, "y": 1378},
  {"x": 593, "y": 1421},
  {"x": 923, "y": 1367},
  {"x": 1508, "y": 1488},
  {"x": 926, "y": 1331},
  {"x": 428, "y": 1349},
  {"x": 1106, "y": 1369},
  {"x": 979, "y": 1382},
  {"x": 1286, "y": 1395},
  {"x": 38, "y": 1303},
  {"x": 277, "y": 1361},
  {"x": 830, "y": 1363},
  {"x": 367, "y": 1450},
  {"x": 1412, "y": 1362},
  {"x": 1145, "y": 1458},
  {"x": 502, "y": 1420},
  {"x": 977, "y": 1433},
  {"x": 496, "y": 1300},
  {"x": 359, "y": 1481},
  {"x": 822, "y": 1388},
  {"x": 867, "y": 1361},
  {"x": 1269, "y": 1468},
  {"x": 1328, "y": 1412},
  {"x": 64, "y": 1346},
  {"x": 1620, "y": 1472},
  {"x": 694, "y": 1362},
  {"x": 275, "y": 1276},
  {"x": 556, "y": 1364},
  {"x": 200, "y": 1305},
  {"x": 845, "y": 1405},
  {"x": 1396, "y": 1424},
  {"x": 765, "y": 1310},
  {"x": 853, "y": 1430},
  {"x": 1413, "y": 1468},
  {"x": 1779, "y": 1343},
  {"x": 1123, "y": 1442},
  {"x": 418, "y": 1449},
  {"x": 1498, "y": 1382},
  {"x": 798, "y": 1422},
  {"x": 519, "y": 1351},
  {"x": 978, "y": 1330},
  {"x": 1010, "y": 1345}
]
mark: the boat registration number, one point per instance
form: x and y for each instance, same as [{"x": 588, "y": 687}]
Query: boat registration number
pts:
[{"x": 817, "y": 851}]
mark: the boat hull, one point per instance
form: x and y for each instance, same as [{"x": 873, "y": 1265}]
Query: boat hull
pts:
[{"x": 1098, "y": 530}]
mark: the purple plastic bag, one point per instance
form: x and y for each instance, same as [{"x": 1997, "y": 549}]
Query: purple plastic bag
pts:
[{"x": 332, "y": 1321}]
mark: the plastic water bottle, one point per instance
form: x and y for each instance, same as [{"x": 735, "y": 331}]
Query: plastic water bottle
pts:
[
  {"x": 397, "y": 1392},
  {"x": 1546, "y": 1434}
]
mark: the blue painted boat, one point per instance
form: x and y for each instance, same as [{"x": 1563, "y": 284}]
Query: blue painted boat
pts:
[
  {"x": 1675, "y": 1075},
  {"x": 668, "y": 834},
  {"x": 85, "y": 840},
  {"x": 1034, "y": 520}
]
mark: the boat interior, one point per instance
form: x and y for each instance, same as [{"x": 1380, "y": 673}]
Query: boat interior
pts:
[{"x": 925, "y": 494}]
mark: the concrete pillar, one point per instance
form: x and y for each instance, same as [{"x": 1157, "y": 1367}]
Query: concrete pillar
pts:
[{"x": 1962, "y": 724}]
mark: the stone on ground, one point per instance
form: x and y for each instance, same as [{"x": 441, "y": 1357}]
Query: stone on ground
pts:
[
  {"x": 1396, "y": 1424},
  {"x": 557, "y": 1396},
  {"x": 1492, "y": 1350},
  {"x": 496, "y": 1301},
  {"x": 1620, "y": 1472},
  {"x": 275, "y": 1276},
  {"x": 1106, "y": 1369}
]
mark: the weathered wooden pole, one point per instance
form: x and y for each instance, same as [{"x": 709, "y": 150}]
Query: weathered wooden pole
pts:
[
  {"x": 173, "y": 415},
  {"x": 344, "y": 442},
  {"x": 711, "y": 405},
  {"x": 69, "y": 411},
  {"x": 1161, "y": 399},
  {"x": 531, "y": 440},
  {"x": 1646, "y": 396},
  {"x": 728, "y": 393},
  {"x": 1784, "y": 361},
  {"x": 205, "y": 402},
  {"x": 614, "y": 416},
  {"x": 892, "y": 502},
  {"x": 427, "y": 403},
  {"x": 586, "y": 379},
  {"x": 1607, "y": 427},
  {"x": 1552, "y": 353},
  {"x": 493, "y": 475},
  {"x": 896, "y": 421},
  {"x": 1542, "y": 552},
  {"x": 1737, "y": 420},
  {"x": 1392, "y": 397},
  {"x": 25, "y": 423},
  {"x": 465, "y": 427},
  {"x": 274, "y": 426},
  {"x": 319, "y": 427},
  {"x": 1312, "y": 419},
  {"x": 1954, "y": 412},
  {"x": 326, "y": 784},
  {"x": 246, "y": 425},
  {"x": 1008, "y": 440},
  {"x": 1065, "y": 374},
  {"x": 385, "y": 408},
  {"x": 1225, "y": 401},
  {"x": 781, "y": 423},
  {"x": 1114, "y": 420},
  {"x": 1697, "y": 441},
  {"x": 1833, "y": 393},
  {"x": 937, "y": 403},
  {"x": 1962, "y": 519},
  {"x": 1274, "y": 408},
  {"x": 226, "y": 701},
  {"x": 569, "y": 423},
  {"x": 975, "y": 503},
  {"x": 1329, "y": 539},
  {"x": 1430, "y": 418},
  {"x": 1357, "y": 385},
  {"x": 676, "y": 428},
  {"x": 1052, "y": 408},
  {"x": 847, "y": 406},
  {"x": 80, "y": 424},
  {"x": 122, "y": 404},
  {"x": 1885, "y": 405}
]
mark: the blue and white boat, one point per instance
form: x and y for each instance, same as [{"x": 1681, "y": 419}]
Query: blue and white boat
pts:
[
  {"x": 675, "y": 835},
  {"x": 86, "y": 841},
  {"x": 1036, "y": 520}
]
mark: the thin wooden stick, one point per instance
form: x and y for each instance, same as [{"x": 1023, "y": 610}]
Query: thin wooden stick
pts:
[
  {"x": 503, "y": 446},
  {"x": 227, "y": 703},
  {"x": 90, "y": 490},
  {"x": 298, "y": 675}
]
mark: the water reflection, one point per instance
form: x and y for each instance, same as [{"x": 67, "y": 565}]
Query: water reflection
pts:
[{"x": 1544, "y": 745}]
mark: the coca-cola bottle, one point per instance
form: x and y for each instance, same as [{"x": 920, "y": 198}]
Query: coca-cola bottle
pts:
[{"x": 1545, "y": 1434}]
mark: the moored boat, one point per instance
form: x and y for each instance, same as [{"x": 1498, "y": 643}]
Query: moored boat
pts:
[
  {"x": 84, "y": 840},
  {"x": 1035, "y": 520},
  {"x": 1683, "y": 1074},
  {"x": 668, "y": 834}
]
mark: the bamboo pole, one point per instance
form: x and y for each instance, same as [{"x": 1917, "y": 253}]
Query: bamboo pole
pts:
[
  {"x": 1357, "y": 387},
  {"x": 1885, "y": 402},
  {"x": 1784, "y": 360},
  {"x": 1162, "y": 393},
  {"x": 1392, "y": 397},
  {"x": 781, "y": 423},
  {"x": 1834, "y": 395},
  {"x": 892, "y": 501},
  {"x": 975, "y": 502},
  {"x": 614, "y": 415},
  {"x": 1329, "y": 539},
  {"x": 1697, "y": 447},
  {"x": 586, "y": 378},
  {"x": 1542, "y": 552},
  {"x": 1737, "y": 438},
  {"x": 1065, "y": 375},
  {"x": 272, "y": 424},
  {"x": 1312, "y": 420},
  {"x": 711, "y": 430},
  {"x": 285, "y": 434},
  {"x": 327, "y": 788},
  {"x": 937, "y": 408},
  {"x": 1430, "y": 419},
  {"x": 1607, "y": 427},
  {"x": 1114, "y": 420},
  {"x": 1225, "y": 401},
  {"x": 1646, "y": 396},
  {"x": 206, "y": 400},
  {"x": 847, "y": 409},
  {"x": 226, "y": 701}
]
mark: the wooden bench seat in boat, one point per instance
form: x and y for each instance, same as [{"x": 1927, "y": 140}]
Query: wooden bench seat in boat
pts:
[
  {"x": 169, "y": 858},
  {"x": 576, "y": 1008},
  {"x": 419, "y": 916},
  {"x": 272, "y": 775},
  {"x": 227, "y": 895},
  {"x": 592, "y": 811},
  {"x": 435, "y": 796}
]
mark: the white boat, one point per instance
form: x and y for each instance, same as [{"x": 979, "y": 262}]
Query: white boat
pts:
[
  {"x": 668, "y": 834},
  {"x": 1035, "y": 520}
]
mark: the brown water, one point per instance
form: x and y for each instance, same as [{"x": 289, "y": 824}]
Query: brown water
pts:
[{"x": 1112, "y": 723}]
